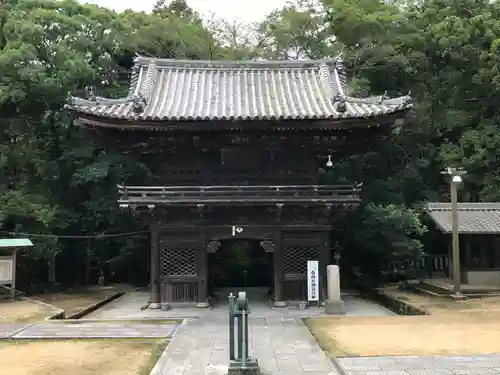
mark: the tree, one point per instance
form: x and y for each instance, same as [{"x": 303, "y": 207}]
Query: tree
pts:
[
  {"x": 55, "y": 180},
  {"x": 298, "y": 31}
]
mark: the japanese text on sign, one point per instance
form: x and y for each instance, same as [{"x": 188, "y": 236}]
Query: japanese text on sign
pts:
[{"x": 312, "y": 280}]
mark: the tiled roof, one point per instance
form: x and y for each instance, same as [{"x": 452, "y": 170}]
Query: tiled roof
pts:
[
  {"x": 473, "y": 218},
  {"x": 15, "y": 242},
  {"x": 174, "y": 90}
]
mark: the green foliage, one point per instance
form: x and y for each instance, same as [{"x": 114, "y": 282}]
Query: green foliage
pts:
[
  {"x": 54, "y": 180},
  {"x": 393, "y": 231}
]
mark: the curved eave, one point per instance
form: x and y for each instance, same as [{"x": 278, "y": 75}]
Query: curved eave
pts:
[
  {"x": 355, "y": 109},
  {"x": 388, "y": 120}
]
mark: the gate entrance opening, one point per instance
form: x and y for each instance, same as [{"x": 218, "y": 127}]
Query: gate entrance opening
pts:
[{"x": 240, "y": 264}]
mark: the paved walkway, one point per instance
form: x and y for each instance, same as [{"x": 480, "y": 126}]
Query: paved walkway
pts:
[
  {"x": 422, "y": 365},
  {"x": 129, "y": 307},
  {"x": 7, "y": 330},
  {"x": 283, "y": 346},
  {"x": 278, "y": 338},
  {"x": 88, "y": 330}
]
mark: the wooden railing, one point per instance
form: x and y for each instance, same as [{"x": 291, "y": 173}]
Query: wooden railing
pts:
[
  {"x": 179, "y": 290},
  {"x": 348, "y": 193}
]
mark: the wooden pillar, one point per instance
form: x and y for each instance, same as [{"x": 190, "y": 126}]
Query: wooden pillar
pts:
[
  {"x": 203, "y": 276},
  {"x": 155, "y": 298},
  {"x": 468, "y": 258},
  {"x": 450, "y": 258},
  {"x": 324, "y": 259},
  {"x": 279, "y": 270},
  {"x": 13, "y": 283}
]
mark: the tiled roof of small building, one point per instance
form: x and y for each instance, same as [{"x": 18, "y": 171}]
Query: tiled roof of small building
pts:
[
  {"x": 473, "y": 218},
  {"x": 15, "y": 242},
  {"x": 175, "y": 90}
]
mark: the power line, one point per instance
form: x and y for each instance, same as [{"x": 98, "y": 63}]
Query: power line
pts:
[{"x": 95, "y": 236}]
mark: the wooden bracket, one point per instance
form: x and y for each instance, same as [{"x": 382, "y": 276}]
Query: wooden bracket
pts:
[
  {"x": 268, "y": 246},
  {"x": 213, "y": 246},
  {"x": 279, "y": 211},
  {"x": 200, "y": 210}
]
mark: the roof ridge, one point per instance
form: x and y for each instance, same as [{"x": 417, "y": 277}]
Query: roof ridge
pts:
[
  {"x": 326, "y": 78},
  {"x": 234, "y": 64},
  {"x": 463, "y": 206}
]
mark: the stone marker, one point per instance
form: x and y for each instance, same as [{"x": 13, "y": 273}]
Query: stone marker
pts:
[{"x": 334, "y": 305}]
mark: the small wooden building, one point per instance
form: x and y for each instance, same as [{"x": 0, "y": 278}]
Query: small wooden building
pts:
[
  {"x": 8, "y": 260},
  {"x": 479, "y": 233},
  {"x": 237, "y": 150}
]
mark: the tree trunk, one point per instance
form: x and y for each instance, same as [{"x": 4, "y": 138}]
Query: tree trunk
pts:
[
  {"x": 52, "y": 269},
  {"x": 88, "y": 263}
]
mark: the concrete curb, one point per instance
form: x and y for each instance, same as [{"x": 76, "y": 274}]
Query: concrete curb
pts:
[
  {"x": 183, "y": 324},
  {"x": 398, "y": 305},
  {"x": 95, "y": 306},
  {"x": 57, "y": 316},
  {"x": 68, "y": 334},
  {"x": 333, "y": 366},
  {"x": 340, "y": 369},
  {"x": 158, "y": 367},
  {"x": 93, "y": 337},
  {"x": 120, "y": 320},
  {"x": 17, "y": 331},
  {"x": 392, "y": 303}
]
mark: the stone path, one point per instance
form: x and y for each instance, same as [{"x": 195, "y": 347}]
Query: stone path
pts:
[
  {"x": 129, "y": 307},
  {"x": 422, "y": 365},
  {"x": 90, "y": 330},
  {"x": 278, "y": 338},
  {"x": 283, "y": 346},
  {"x": 7, "y": 330}
]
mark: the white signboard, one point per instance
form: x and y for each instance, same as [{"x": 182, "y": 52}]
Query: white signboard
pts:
[
  {"x": 312, "y": 280},
  {"x": 5, "y": 270}
]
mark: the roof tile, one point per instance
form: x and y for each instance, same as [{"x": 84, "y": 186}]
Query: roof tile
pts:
[
  {"x": 174, "y": 90},
  {"x": 473, "y": 218}
]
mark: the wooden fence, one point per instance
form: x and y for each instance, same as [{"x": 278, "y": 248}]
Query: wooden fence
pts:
[{"x": 429, "y": 265}]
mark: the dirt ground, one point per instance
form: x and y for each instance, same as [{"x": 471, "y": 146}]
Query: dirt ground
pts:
[
  {"x": 23, "y": 311},
  {"x": 75, "y": 357},
  {"x": 73, "y": 302},
  {"x": 483, "y": 307},
  {"x": 29, "y": 311},
  {"x": 453, "y": 328}
]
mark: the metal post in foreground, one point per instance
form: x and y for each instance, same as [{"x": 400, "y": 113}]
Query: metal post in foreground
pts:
[
  {"x": 456, "y": 179},
  {"x": 231, "y": 327},
  {"x": 241, "y": 364}
]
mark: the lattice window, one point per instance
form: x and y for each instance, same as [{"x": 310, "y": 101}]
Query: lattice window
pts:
[
  {"x": 296, "y": 258},
  {"x": 178, "y": 261}
]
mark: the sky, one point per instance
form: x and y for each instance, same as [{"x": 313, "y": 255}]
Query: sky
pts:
[{"x": 230, "y": 10}]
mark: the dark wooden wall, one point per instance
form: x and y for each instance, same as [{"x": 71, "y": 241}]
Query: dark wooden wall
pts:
[{"x": 236, "y": 158}]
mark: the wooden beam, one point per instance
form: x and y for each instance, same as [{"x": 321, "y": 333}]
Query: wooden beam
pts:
[
  {"x": 96, "y": 122},
  {"x": 203, "y": 274},
  {"x": 324, "y": 259},
  {"x": 155, "y": 298},
  {"x": 279, "y": 270},
  {"x": 13, "y": 284}
]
